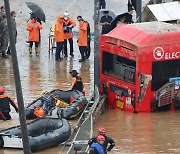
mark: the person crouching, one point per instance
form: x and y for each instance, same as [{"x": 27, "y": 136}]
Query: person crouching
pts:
[
  {"x": 33, "y": 27},
  {"x": 5, "y": 106},
  {"x": 77, "y": 83}
]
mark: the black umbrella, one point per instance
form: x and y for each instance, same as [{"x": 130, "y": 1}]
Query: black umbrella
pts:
[
  {"x": 115, "y": 21},
  {"x": 36, "y": 10}
]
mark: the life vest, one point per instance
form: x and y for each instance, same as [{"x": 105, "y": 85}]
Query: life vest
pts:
[
  {"x": 99, "y": 148},
  {"x": 5, "y": 102},
  {"x": 78, "y": 85}
]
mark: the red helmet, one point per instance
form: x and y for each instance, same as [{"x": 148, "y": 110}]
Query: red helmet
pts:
[
  {"x": 2, "y": 90},
  {"x": 100, "y": 138},
  {"x": 101, "y": 130}
]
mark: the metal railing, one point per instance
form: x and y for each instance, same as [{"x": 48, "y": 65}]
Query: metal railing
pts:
[{"x": 83, "y": 129}]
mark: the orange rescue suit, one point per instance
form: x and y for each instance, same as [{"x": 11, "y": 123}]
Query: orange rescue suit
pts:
[
  {"x": 82, "y": 38},
  {"x": 33, "y": 27},
  {"x": 68, "y": 22},
  {"x": 59, "y": 30},
  {"x": 4, "y": 103}
]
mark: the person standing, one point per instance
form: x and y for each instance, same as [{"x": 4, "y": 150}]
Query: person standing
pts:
[
  {"x": 77, "y": 83},
  {"x": 5, "y": 101},
  {"x": 102, "y": 4},
  {"x": 32, "y": 15},
  {"x": 108, "y": 143},
  {"x": 97, "y": 147},
  {"x": 68, "y": 35},
  {"x": 82, "y": 39},
  {"x": 105, "y": 21},
  {"x": 88, "y": 37},
  {"x": 3, "y": 35},
  {"x": 33, "y": 27},
  {"x": 59, "y": 37},
  {"x": 132, "y": 3},
  {"x": 13, "y": 17}
]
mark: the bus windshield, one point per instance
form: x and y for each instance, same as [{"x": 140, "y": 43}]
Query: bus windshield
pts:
[
  {"x": 118, "y": 67},
  {"x": 162, "y": 71}
]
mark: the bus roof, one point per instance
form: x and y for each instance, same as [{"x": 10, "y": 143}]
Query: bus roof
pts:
[{"x": 147, "y": 33}]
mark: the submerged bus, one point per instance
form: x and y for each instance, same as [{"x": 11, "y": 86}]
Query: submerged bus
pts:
[{"x": 140, "y": 66}]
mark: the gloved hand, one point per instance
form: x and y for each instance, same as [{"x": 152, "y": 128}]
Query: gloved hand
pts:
[
  {"x": 4, "y": 118},
  {"x": 70, "y": 26}
]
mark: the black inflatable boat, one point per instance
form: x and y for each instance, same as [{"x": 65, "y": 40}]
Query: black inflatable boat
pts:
[
  {"x": 71, "y": 102},
  {"x": 43, "y": 133},
  {"x": 73, "y": 110},
  {"x": 77, "y": 103}
]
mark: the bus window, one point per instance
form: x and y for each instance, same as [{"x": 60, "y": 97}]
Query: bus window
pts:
[
  {"x": 118, "y": 67},
  {"x": 162, "y": 71}
]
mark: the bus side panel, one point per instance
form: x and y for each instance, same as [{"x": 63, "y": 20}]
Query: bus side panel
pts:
[
  {"x": 144, "y": 105},
  {"x": 120, "y": 101}
]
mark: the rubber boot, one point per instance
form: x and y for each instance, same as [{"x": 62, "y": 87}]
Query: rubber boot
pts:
[
  {"x": 30, "y": 51},
  {"x": 37, "y": 51}
]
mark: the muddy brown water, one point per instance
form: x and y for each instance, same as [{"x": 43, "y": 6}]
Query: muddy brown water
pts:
[{"x": 133, "y": 133}]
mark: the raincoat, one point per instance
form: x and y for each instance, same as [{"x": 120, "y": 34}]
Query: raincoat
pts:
[
  {"x": 68, "y": 22},
  {"x": 59, "y": 30},
  {"x": 33, "y": 28},
  {"x": 82, "y": 38}
]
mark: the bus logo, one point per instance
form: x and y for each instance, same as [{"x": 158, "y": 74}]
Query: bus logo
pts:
[{"x": 158, "y": 53}]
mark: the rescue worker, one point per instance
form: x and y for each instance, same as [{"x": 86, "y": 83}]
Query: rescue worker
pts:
[
  {"x": 105, "y": 22},
  {"x": 88, "y": 37},
  {"x": 97, "y": 147},
  {"x": 13, "y": 17},
  {"x": 108, "y": 140},
  {"x": 77, "y": 83},
  {"x": 78, "y": 150},
  {"x": 3, "y": 35},
  {"x": 68, "y": 35},
  {"x": 82, "y": 39},
  {"x": 5, "y": 106},
  {"x": 59, "y": 37},
  {"x": 33, "y": 27},
  {"x": 33, "y": 15}
]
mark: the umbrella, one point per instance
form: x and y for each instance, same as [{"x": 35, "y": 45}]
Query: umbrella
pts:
[
  {"x": 36, "y": 10},
  {"x": 101, "y": 13},
  {"x": 115, "y": 21}
]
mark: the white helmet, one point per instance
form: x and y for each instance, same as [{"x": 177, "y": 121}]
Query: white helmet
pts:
[{"x": 66, "y": 15}]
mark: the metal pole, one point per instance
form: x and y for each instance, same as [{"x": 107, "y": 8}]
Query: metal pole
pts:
[
  {"x": 138, "y": 10},
  {"x": 20, "y": 101},
  {"x": 96, "y": 44}
]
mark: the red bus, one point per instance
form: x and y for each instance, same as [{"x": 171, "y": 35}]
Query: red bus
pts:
[{"x": 139, "y": 65}]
